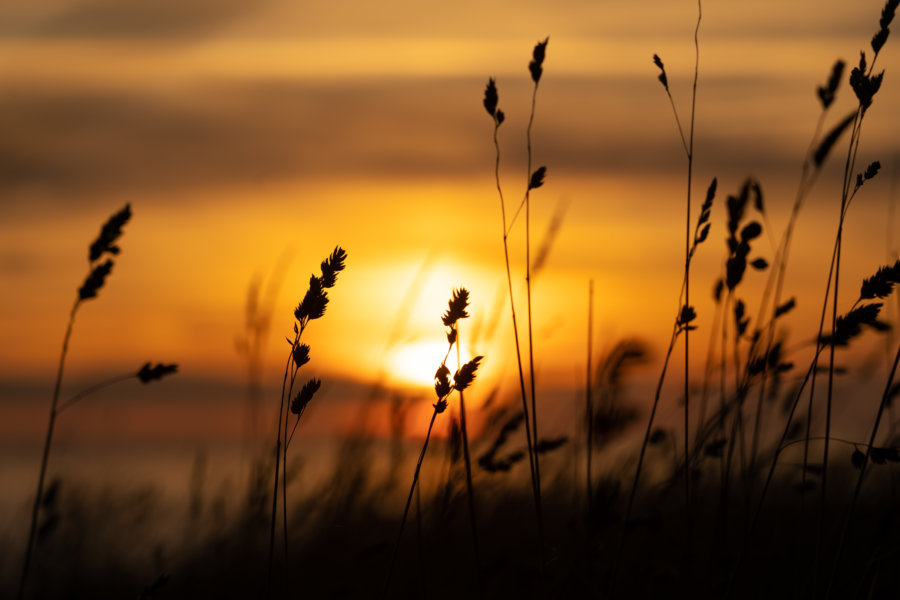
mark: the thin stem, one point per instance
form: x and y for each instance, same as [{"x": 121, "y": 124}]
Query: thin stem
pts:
[
  {"x": 640, "y": 464},
  {"x": 590, "y": 406},
  {"x": 32, "y": 530},
  {"x": 687, "y": 289},
  {"x": 534, "y": 417},
  {"x": 90, "y": 390},
  {"x": 284, "y": 450},
  {"x": 885, "y": 397},
  {"x": 294, "y": 369},
  {"x": 470, "y": 489},
  {"x": 779, "y": 447},
  {"x": 293, "y": 430},
  {"x": 278, "y": 441},
  {"x": 387, "y": 583},
  {"x": 512, "y": 307},
  {"x": 836, "y": 261}
]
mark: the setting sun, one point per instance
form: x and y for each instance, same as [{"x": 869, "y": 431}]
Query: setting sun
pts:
[{"x": 414, "y": 364}]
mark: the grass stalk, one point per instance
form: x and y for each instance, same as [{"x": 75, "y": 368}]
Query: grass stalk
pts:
[
  {"x": 470, "y": 490},
  {"x": 278, "y": 442},
  {"x": 865, "y": 84},
  {"x": 103, "y": 245},
  {"x": 885, "y": 398},
  {"x": 687, "y": 288},
  {"x": 529, "y": 185},
  {"x": 312, "y": 306},
  {"x": 412, "y": 489},
  {"x": 443, "y": 388},
  {"x": 589, "y": 400},
  {"x": 637, "y": 474},
  {"x": 535, "y": 180},
  {"x": 32, "y": 529}
]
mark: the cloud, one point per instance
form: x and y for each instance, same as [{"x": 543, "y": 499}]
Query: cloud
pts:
[
  {"x": 86, "y": 142},
  {"x": 134, "y": 19}
]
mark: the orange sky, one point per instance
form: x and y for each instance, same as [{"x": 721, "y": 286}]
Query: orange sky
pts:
[{"x": 243, "y": 132}]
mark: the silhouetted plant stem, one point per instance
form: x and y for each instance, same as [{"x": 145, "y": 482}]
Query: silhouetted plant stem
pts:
[
  {"x": 412, "y": 488},
  {"x": 885, "y": 397},
  {"x": 779, "y": 447},
  {"x": 312, "y": 306},
  {"x": 278, "y": 442},
  {"x": 688, "y": 144},
  {"x": 469, "y": 487},
  {"x": 816, "y": 154},
  {"x": 32, "y": 530},
  {"x": 865, "y": 85},
  {"x": 589, "y": 399},
  {"x": 497, "y": 116},
  {"x": 443, "y": 388},
  {"x": 90, "y": 390},
  {"x": 284, "y": 520},
  {"x": 103, "y": 245},
  {"x": 534, "y": 416},
  {"x": 687, "y": 289},
  {"x": 637, "y": 474}
]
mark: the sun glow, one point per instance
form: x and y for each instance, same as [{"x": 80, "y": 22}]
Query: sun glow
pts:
[{"x": 414, "y": 364}]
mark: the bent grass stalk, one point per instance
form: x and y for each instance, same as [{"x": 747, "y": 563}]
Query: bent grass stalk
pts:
[{"x": 103, "y": 246}]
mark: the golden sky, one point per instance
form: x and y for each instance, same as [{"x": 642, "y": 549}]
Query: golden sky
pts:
[{"x": 245, "y": 132}]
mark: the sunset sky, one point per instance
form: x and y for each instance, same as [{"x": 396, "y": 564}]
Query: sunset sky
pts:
[{"x": 243, "y": 134}]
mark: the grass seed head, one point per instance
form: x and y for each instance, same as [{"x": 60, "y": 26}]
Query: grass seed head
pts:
[
  {"x": 109, "y": 233},
  {"x": 332, "y": 265},
  {"x": 662, "y": 71},
  {"x": 95, "y": 280},
  {"x": 148, "y": 373},
  {"x": 536, "y": 65},
  {"x": 442, "y": 385},
  {"x": 466, "y": 374},
  {"x": 456, "y": 307},
  {"x": 300, "y": 355},
  {"x": 313, "y": 304},
  {"x": 827, "y": 92},
  {"x": 306, "y": 393},
  {"x": 491, "y": 98},
  {"x": 537, "y": 178}
]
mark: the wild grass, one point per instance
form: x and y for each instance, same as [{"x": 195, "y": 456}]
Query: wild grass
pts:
[
  {"x": 534, "y": 180},
  {"x": 716, "y": 505},
  {"x": 686, "y": 313},
  {"x": 311, "y": 307},
  {"x": 443, "y": 388},
  {"x": 104, "y": 246}
]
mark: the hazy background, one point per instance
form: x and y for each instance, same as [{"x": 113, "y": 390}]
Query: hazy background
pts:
[{"x": 248, "y": 135}]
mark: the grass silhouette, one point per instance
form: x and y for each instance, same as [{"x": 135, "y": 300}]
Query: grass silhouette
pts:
[
  {"x": 102, "y": 247},
  {"x": 443, "y": 388},
  {"x": 311, "y": 307},
  {"x": 714, "y": 506}
]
